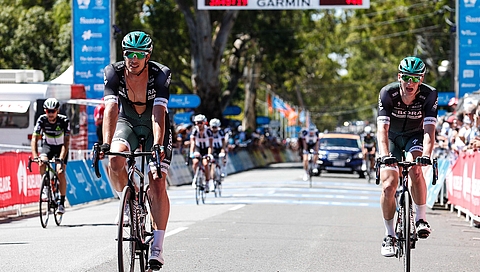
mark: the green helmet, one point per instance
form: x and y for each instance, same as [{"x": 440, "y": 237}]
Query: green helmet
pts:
[
  {"x": 412, "y": 65},
  {"x": 137, "y": 40}
]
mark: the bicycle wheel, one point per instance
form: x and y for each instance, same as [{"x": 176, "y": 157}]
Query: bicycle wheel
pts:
[
  {"x": 56, "y": 201},
  {"x": 146, "y": 227},
  {"x": 218, "y": 182},
  {"x": 310, "y": 172},
  {"x": 406, "y": 225},
  {"x": 126, "y": 238},
  {"x": 198, "y": 186},
  {"x": 45, "y": 200}
]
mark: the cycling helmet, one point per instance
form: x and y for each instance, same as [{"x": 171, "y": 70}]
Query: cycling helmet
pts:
[
  {"x": 199, "y": 118},
  {"x": 215, "y": 122},
  {"x": 412, "y": 65},
  {"x": 312, "y": 128},
  {"x": 137, "y": 40},
  {"x": 51, "y": 104},
  {"x": 367, "y": 129}
]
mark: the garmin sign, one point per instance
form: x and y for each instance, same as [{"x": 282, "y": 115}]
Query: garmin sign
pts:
[{"x": 183, "y": 101}]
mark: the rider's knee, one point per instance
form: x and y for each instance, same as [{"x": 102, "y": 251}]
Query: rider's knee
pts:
[{"x": 116, "y": 163}]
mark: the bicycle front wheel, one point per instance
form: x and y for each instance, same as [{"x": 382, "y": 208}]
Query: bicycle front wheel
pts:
[
  {"x": 58, "y": 217},
  {"x": 406, "y": 225},
  {"x": 45, "y": 200},
  {"x": 218, "y": 182},
  {"x": 126, "y": 238}
]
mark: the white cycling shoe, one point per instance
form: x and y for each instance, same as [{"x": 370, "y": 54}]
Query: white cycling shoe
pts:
[{"x": 156, "y": 260}]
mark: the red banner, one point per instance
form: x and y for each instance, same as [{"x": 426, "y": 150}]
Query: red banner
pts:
[
  {"x": 17, "y": 184},
  {"x": 463, "y": 184}
]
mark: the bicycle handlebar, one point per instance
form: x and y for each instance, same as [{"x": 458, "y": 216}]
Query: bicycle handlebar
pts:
[
  {"x": 38, "y": 160},
  {"x": 407, "y": 164},
  {"x": 129, "y": 155}
]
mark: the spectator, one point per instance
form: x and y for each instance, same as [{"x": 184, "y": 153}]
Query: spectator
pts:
[{"x": 98, "y": 117}]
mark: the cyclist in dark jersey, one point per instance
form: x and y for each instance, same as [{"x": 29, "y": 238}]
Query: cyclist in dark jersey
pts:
[
  {"x": 136, "y": 97},
  {"x": 407, "y": 116},
  {"x": 54, "y": 128},
  {"x": 369, "y": 147}
]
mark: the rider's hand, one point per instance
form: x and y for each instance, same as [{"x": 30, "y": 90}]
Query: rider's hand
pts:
[
  {"x": 104, "y": 148},
  {"x": 210, "y": 157},
  {"x": 423, "y": 160},
  {"x": 389, "y": 160},
  {"x": 192, "y": 155}
]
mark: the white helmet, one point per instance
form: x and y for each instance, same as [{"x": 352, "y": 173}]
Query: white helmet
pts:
[
  {"x": 312, "y": 128},
  {"x": 199, "y": 118},
  {"x": 215, "y": 122},
  {"x": 51, "y": 104},
  {"x": 367, "y": 129}
]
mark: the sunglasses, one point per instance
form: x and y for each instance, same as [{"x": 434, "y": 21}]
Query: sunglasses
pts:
[
  {"x": 198, "y": 123},
  {"x": 50, "y": 111},
  {"x": 415, "y": 79},
  {"x": 132, "y": 54},
  {"x": 214, "y": 127}
]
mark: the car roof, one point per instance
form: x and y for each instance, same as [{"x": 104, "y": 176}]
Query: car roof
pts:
[{"x": 340, "y": 135}]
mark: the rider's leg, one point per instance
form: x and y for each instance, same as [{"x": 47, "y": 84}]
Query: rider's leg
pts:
[
  {"x": 305, "y": 162},
  {"x": 389, "y": 177},
  {"x": 160, "y": 209},
  {"x": 117, "y": 170},
  {"x": 418, "y": 188},
  {"x": 62, "y": 182}
]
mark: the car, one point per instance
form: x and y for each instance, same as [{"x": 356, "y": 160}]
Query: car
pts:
[{"x": 340, "y": 153}]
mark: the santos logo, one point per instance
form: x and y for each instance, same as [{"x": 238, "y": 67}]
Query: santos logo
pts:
[
  {"x": 83, "y": 4},
  {"x": 469, "y": 3}
]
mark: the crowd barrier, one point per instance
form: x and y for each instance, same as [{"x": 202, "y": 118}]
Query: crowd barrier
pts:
[
  {"x": 463, "y": 186},
  {"x": 19, "y": 187}
]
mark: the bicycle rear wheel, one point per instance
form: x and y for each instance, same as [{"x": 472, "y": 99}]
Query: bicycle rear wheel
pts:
[
  {"x": 218, "y": 182},
  {"x": 127, "y": 238},
  {"x": 406, "y": 225},
  {"x": 45, "y": 200}
]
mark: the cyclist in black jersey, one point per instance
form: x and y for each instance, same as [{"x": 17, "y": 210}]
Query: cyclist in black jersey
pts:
[
  {"x": 54, "y": 131},
  {"x": 369, "y": 147},
  {"x": 136, "y": 97},
  {"x": 407, "y": 116},
  {"x": 201, "y": 144},
  {"x": 310, "y": 142}
]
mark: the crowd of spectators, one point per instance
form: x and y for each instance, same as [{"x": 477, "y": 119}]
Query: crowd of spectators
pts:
[{"x": 459, "y": 130}]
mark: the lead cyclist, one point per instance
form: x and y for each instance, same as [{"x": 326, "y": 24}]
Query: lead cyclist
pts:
[{"x": 407, "y": 116}]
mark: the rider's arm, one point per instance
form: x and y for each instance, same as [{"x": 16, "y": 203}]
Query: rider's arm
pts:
[
  {"x": 159, "y": 113},
  {"x": 158, "y": 123},
  {"x": 65, "y": 146},
  {"x": 36, "y": 136},
  {"x": 428, "y": 140},
  {"x": 210, "y": 141},
  {"x": 382, "y": 136},
  {"x": 385, "y": 106},
  {"x": 429, "y": 123},
  {"x": 192, "y": 141},
  {"x": 110, "y": 114}
]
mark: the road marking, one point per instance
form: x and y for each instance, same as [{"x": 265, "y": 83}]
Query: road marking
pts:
[
  {"x": 175, "y": 231},
  {"x": 236, "y": 207}
]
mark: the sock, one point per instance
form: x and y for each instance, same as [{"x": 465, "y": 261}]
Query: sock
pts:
[
  {"x": 158, "y": 237},
  {"x": 421, "y": 210},
  {"x": 389, "y": 227}
]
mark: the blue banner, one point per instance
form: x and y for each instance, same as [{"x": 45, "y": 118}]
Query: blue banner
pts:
[
  {"x": 83, "y": 186},
  {"x": 91, "y": 50},
  {"x": 468, "y": 46},
  {"x": 232, "y": 110},
  {"x": 434, "y": 190},
  {"x": 183, "y": 101},
  {"x": 182, "y": 118}
]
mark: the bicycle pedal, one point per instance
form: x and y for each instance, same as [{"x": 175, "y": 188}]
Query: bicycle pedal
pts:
[{"x": 155, "y": 266}]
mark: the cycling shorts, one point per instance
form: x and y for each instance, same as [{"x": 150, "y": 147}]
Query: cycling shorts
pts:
[
  {"x": 51, "y": 151},
  {"x": 407, "y": 143}
]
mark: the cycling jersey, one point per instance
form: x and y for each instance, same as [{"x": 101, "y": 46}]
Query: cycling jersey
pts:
[
  {"x": 310, "y": 139},
  {"x": 132, "y": 125},
  {"x": 52, "y": 133},
  {"x": 404, "y": 119},
  {"x": 201, "y": 139},
  {"x": 369, "y": 142},
  {"x": 218, "y": 140}
]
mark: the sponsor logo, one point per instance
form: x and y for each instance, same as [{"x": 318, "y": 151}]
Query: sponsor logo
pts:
[
  {"x": 87, "y": 48},
  {"x": 468, "y": 73},
  {"x": 98, "y": 87},
  {"x": 473, "y": 62},
  {"x": 85, "y": 74},
  {"x": 468, "y": 33},
  {"x": 87, "y": 35},
  {"x": 470, "y": 19},
  {"x": 469, "y": 3},
  {"x": 468, "y": 85},
  {"x": 91, "y": 21}
]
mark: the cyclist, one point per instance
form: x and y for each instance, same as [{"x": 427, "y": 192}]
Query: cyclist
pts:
[
  {"x": 310, "y": 142},
  {"x": 406, "y": 121},
  {"x": 136, "y": 97},
  {"x": 219, "y": 144},
  {"x": 369, "y": 148},
  {"x": 201, "y": 142},
  {"x": 54, "y": 130}
]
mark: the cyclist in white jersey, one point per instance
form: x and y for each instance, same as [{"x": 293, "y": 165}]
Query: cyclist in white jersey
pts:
[
  {"x": 219, "y": 144},
  {"x": 310, "y": 142},
  {"x": 201, "y": 143}
]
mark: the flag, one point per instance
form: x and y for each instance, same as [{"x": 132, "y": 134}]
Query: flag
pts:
[
  {"x": 269, "y": 103},
  {"x": 285, "y": 110}
]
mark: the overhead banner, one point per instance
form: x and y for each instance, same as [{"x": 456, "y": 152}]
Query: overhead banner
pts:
[
  {"x": 281, "y": 4},
  {"x": 468, "y": 33},
  {"x": 91, "y": 50}
]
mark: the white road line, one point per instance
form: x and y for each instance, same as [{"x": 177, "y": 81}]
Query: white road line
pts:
[
  {"x": 234, "y": 208},
  {"x": 175, "y": 231}
]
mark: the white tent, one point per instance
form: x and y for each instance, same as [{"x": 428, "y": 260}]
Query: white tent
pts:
[{"x": 66, "y": 77}]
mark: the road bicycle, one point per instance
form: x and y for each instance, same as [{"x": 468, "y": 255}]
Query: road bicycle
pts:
[
  {"x": 135, "y": 233},
  {"x": 49, "y": 190},
  {"x": 218, "y": 175},
  {"x": 200, "y": 179},
  {"x": 405, "y": 226},
  {"x": 369, "y": 170},
  {"x": 311, "y": 166}
]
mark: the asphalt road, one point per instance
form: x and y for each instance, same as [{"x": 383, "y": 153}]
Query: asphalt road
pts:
[{"x": 266, "y": 220}]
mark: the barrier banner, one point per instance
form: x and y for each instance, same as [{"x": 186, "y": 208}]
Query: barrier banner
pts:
[
  {"x": 17, "y": 184},
  {"x": 463, "y": 184},
  {"x": 434, "y": 190},
  {"x": 82, "y": 184},
  {"x": 179, "y": 173}
]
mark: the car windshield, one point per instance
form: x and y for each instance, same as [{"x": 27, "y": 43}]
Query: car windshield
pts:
[{"x": 338, "y": 142}]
